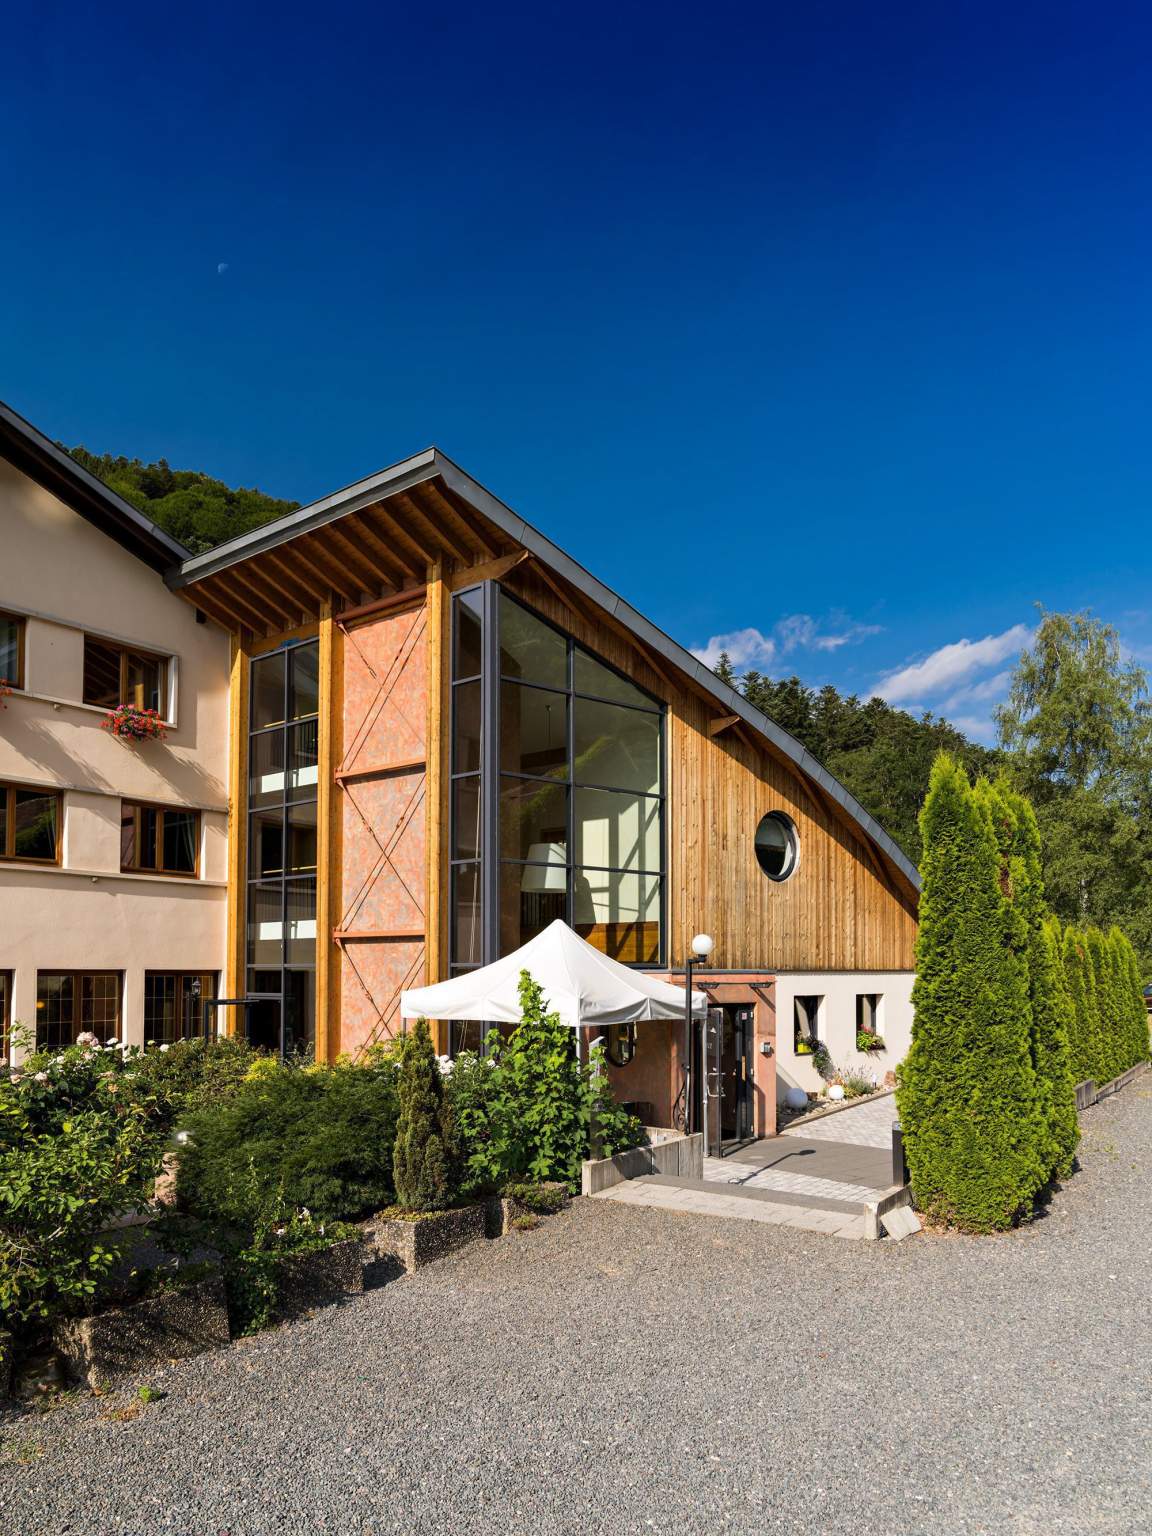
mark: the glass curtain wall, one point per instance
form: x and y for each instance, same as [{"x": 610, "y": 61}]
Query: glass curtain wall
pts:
[
  {"x": 282, "y": 788},
  {"x": 557, "y": 791}
]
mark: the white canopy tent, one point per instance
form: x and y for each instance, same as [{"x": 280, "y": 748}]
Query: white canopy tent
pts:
[{"x": 582, "y": 985}]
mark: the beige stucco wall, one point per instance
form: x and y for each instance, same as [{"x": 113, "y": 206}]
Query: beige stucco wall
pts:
[
  {"x": 836, "y": 1024},
  {"x": 67, "y": 577}
]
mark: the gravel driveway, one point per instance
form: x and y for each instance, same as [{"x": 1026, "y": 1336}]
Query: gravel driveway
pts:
[{"x": 629, "y": 1370}]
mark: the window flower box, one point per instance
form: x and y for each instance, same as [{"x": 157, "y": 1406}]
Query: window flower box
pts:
[{"x": 132, "y": 724}]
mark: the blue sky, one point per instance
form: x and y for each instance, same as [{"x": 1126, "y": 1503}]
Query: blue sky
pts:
[{"x": 826, "y": 325}]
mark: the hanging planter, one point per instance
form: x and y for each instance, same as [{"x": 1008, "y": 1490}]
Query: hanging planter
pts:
[{"x": 135, "y": 724}]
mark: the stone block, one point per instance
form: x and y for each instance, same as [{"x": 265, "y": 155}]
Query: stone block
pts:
[
  {"x": 420, "y": 1240},
  {"x": 129, "y": 1339},
  {"x": 900, "y": 1222},
  {"x": 320, "y": 1278}
]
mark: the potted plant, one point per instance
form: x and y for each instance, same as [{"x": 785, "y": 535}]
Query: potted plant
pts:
[
  {"x": 132, "y": 724},
  {"x": 427, "y": 1221},
  {"x": 868, "y": 1040}
]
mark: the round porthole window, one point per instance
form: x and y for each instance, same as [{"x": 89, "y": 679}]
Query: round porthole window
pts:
[{"x": 777, "y": 847}]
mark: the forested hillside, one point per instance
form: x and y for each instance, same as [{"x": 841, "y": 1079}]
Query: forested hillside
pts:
[
  {"x": 881, "y": 755},
  {"x": 194, "y": 508}
]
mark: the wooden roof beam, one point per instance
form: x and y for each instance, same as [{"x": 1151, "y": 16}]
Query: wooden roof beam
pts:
[
  {"x": 324, "y": 565},
  {"x": 275, "y": 573},
  {"x": 414, "y": 565},
  {"x": 722, "y": 723},
  {"x": 427, "y": 555},
  {"x": 208, "y": 603},
  {"x": 286, "y": 563},
  {"x": 443, "y": 540},
  {"x": 286, "y": 609},
  {"x": 451, "y": 511},
  {"x": 358, "y": 527},
  {"x": 230, "y": 591},
  {"x": 370, "y": 575}
]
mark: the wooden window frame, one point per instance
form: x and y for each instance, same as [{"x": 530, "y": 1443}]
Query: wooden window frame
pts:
[
  {"x": 17, "y": 683},
  {"x": 136, "y": 806},
  {"x": 8, "y": 793},
  {"x": 78, "y": 977},
  {"x": 126, "y": 653}
]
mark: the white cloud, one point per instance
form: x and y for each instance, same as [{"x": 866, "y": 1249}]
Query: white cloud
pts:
[
  {"x": 797, "y": 632},
  {"x": 991, "y": 688},
  {"x": 745, "y": 648},
  {"x": 950, "y": 666}
]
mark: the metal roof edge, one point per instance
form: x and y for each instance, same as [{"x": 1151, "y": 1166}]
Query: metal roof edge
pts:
[{"x": 44, "y": 451}]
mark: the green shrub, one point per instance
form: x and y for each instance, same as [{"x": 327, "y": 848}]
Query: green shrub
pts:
[
  {"x": 81, "y": 1142},
  {"x": 611, "y": 1129},
  {"x": 252, "y": 1275},
  {"x": 967, "y": 1094},
  {"x": 316, "y": 1138},
  {"x": 543, "y": 1199},
  {"x": 425, "y": 1152},
  {"x": 472, "y": 1091},
  {"x": 197, "y": 1074},
  {"x": 1074, "y": 955}
]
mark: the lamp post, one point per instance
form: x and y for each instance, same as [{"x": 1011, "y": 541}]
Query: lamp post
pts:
[{"x": 698, "y": 952}]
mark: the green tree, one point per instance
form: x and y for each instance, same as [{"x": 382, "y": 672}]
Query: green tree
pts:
[
  {"x": 967, "y": 1096},
  {"x": 1076, "y": 733},
  {"x": 542, "y": 1113},
  {"x": 423, "y": 1158},
  {"x": 1133, "y": 1020},
  {"x": 194, "y": 508}
]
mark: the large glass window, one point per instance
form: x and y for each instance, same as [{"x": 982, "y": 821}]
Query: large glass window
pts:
[
  {"x": 574, "y": 783},
  {"x": 283, "y": 778},
  {"x": 68, "y": 1003},
  {"x": 29, "y": 824},
  {"x": 11, "y": 650}
]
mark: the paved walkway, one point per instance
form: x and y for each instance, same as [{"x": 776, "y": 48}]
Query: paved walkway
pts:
[
  {"x": 865, "y": 1125},
  {"x": 817, "y": 1177},
  {"x": 692, "y": 1200}
]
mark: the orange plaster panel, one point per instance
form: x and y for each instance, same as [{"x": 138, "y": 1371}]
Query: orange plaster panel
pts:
[{"x": 383, "y": 877}]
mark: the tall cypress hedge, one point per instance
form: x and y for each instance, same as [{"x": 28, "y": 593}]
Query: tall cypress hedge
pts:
[
  {"x": 1050, "y": 1006},
  {"x": 1076, "y": 980},
  {"x": 973, "y": 1129},
  {"x": 1100, "y": 960},
  {"x": 1133, "y": 1011}
]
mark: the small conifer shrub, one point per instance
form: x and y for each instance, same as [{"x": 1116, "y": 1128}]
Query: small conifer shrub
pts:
[{"x": 424, "y": 1156}]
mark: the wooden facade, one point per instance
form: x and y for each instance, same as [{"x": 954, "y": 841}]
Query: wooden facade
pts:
[{"x": 376, "y": 585}]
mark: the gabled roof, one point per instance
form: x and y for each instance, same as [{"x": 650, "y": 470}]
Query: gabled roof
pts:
[
  {"x": 31, "y": 452},
  {"x": 432, "y": 465}
]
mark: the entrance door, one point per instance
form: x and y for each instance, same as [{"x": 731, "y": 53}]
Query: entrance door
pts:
[
  {"x": 264, "y": 1015},
  {"x": 736, "y": 1069}
]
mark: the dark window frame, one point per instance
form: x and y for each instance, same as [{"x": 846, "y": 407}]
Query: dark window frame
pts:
[
  {"x": 287, "y": 881},
  {"x": 79, "y": 1024},
  {"x": 7, "y": 985},
  {"x": 792, "y": 842},
  {"x": 20, "y": 621},
  {"x": 127, "y": 653},
  {"x": 136, "y": 806},
  {"x": 8, "y": 792},
  {"x": 198, "y": 1026}
]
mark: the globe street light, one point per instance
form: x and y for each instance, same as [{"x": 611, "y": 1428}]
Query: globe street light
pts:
[{"x": 698, "y": 951}]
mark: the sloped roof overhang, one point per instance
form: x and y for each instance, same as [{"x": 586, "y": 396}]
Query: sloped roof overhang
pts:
[{"x": 433, "y": 466}]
